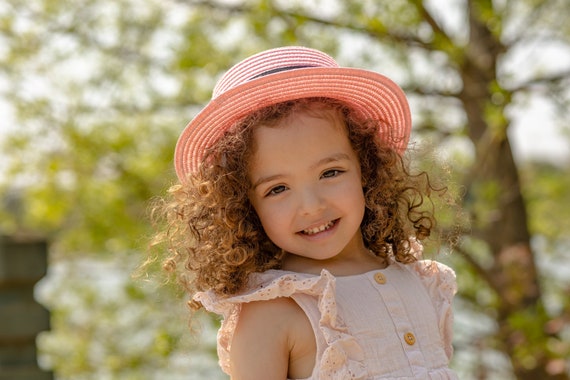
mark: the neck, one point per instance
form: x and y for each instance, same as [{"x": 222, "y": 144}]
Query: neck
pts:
[{"x": 362, "y": 262}]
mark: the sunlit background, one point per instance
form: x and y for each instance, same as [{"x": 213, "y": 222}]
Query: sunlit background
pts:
[{"x": 93, "y": 94}]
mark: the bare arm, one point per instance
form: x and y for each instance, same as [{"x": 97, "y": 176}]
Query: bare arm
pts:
[
  {"x": 259, "y": 347},
  {"x": 267, "y": 339}
]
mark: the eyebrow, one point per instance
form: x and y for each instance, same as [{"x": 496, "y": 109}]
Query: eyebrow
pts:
[
  {"x": 333, "y": 158},
  {"x": 327, "y": 160}
]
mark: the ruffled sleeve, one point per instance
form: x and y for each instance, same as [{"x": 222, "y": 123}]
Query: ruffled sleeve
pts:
[
  {"x": 441, "y": 284},
  {"x": 342, "y": 358}
]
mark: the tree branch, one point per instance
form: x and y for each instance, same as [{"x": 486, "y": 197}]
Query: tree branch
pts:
[
  {"x": 542, "y": 81},
  {"x": 436, "y": 28},
  {"x": 532, "y": 17},
  {"x": 478, "y": 269},
  {"x": 394, "y": 36}
]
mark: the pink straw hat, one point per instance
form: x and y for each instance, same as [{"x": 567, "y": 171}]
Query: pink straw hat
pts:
[{"x": 289, "y": 73}]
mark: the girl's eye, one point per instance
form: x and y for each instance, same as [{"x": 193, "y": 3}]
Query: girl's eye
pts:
[
  {"x": 331, "y": 173},
  {"x": 276, "y": 190}
]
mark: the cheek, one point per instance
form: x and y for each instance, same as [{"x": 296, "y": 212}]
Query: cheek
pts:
[
  {"x": 273, "y": 228},
  {"x": 266, "y": 213},
  {"x": 354, "y": 189},
  {"x": 271, "y": 214},
  {"x": 275, "y": 220},
  {"x": 359, "y": 202},
  {"x": 356, "y": 201}
]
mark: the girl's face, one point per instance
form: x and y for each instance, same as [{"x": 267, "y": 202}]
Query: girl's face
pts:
[{"x": 306, "y": 187}]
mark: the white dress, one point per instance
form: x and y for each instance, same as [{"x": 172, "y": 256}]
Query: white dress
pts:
[{"x": 394, "y": 323}]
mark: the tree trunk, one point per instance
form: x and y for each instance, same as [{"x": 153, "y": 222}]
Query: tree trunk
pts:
[{"x": 503, "y": 225}]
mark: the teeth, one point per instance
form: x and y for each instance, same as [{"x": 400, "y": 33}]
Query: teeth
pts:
[{"x": 316, "y": 230}]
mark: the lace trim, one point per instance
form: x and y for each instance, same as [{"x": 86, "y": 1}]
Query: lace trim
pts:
[
  {"x": 342, "y": 358},
  {"x": 441, "y": 284}
]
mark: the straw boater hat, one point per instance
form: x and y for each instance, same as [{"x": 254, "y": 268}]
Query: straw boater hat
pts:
[{"x": 289, "y": 73}]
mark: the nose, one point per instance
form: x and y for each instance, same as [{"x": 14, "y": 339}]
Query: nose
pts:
[{"x": 311, "y": 201}]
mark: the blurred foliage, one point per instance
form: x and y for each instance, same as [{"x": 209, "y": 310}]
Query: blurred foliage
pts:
[
  {"x": 106, "y": 326},
  {"x": 96, "y": 92},
  {"x": 547, "y": 196}
]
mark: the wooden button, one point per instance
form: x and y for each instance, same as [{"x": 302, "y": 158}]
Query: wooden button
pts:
[
  {"x": 410, "y": 338},
  {"x": 380, "y": 278}
]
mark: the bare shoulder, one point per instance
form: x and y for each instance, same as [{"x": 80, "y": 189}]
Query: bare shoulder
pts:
[{"x": 267, "y": 339}]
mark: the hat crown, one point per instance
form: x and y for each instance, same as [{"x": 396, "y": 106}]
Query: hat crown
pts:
[{"x": 269, "y": 62}]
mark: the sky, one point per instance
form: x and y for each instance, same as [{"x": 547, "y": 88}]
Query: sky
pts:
[{"x": 536, "y": 135}]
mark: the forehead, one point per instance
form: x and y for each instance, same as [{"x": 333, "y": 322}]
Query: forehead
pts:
[
  {"x": 302, "y": 138},
  {"x": 305, "y": 122},
  {"x": 318, "y": 112}
]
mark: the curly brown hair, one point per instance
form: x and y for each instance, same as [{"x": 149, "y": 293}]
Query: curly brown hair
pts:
[{"x": 212, "y": 228}]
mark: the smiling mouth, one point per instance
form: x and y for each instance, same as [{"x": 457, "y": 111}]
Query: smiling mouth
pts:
[{"x": 316, "y": 230}]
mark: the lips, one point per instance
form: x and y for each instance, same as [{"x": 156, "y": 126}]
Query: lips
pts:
[{"x": 321, "y": 228}]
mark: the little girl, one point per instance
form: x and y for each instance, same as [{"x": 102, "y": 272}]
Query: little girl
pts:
[{"x": 298, "y": 222}]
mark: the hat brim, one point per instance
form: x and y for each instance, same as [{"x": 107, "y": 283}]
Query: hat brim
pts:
[{"x": 374, "y": 95}]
